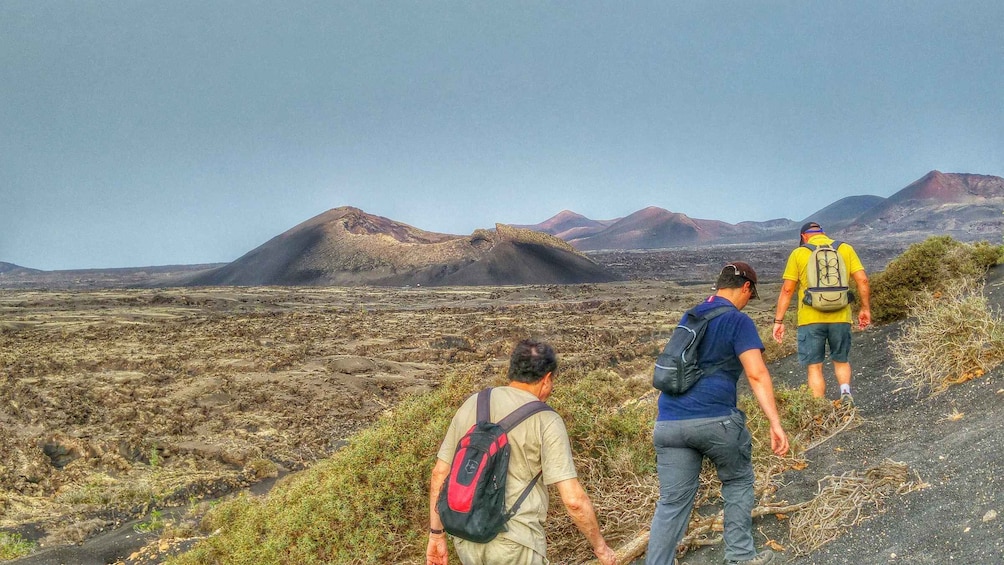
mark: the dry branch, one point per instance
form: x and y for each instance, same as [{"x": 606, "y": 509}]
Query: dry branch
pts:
[
  {"x": 696, "y": 532},
  {"x": 841, "y": 503}
]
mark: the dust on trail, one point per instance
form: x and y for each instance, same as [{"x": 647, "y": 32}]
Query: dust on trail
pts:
[{"x": 114, "y": 402}]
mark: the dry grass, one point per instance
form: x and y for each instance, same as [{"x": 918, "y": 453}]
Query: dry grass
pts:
[{"x": 952, "y": 336}]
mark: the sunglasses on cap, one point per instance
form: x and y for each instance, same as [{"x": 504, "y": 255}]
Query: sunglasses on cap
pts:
[{"x": 742, "y": 273}]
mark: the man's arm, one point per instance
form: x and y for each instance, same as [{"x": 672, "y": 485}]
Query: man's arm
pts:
[
  {"x": 580, "y": 510},
  {"x": 783, "y": 301},
  {"x": 435, "y": 552},
  {"x": 865, "y": 294},
  {"x": 763, "y": 390}
]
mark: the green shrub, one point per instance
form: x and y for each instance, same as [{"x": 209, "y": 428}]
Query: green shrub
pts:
[
  {"x": 366, "y": 504},
  {"x": 602, "y": 423},
  {"x": 369, "y": 502},
  {"x": 13, "y": 546},
  {"x": 929, "y": 265}
]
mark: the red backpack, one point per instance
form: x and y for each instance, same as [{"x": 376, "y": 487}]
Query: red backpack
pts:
[{"x": 472, "y": 501}]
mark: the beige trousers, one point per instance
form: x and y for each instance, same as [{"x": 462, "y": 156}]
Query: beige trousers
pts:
[{"x": 499, "y": 551}]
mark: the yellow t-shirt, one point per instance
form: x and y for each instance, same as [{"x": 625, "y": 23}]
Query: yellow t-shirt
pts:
[
  {"x": 539, "y": 442},
  {"x": 795, "y": 270}
]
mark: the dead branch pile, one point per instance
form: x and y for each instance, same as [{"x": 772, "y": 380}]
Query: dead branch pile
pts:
[
  {"x": 844, "y": 501},
  {"x": 828, "y": 425}
]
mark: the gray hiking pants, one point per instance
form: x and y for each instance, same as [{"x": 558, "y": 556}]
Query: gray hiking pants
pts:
[{"x": 680, "y": 447}]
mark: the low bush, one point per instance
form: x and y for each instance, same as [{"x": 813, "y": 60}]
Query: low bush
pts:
[
  {"x": 366, "y": 504},
  {"x": 952, "y": 336},
  {"x": 927, "y": 266},
  {"x": 369, "y": 502},
  {"x": 13, "y": 546}
]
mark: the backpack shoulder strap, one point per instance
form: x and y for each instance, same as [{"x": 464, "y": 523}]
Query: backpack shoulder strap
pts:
[
  {"x": 709, "y": 314},
  {"x": 484, "y": 406},
  {"x": 522, "y": 413},
  {"x": 836, "y": 244},
  {"x": 809, "y": 246},
  {"x": 510, "y": 422},
  {"x": 718, "y": 311}
]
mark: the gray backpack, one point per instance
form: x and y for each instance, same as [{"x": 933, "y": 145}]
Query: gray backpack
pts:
[
  {"x": 826, "y": 271},
  {"x": 677, "y": 368}
]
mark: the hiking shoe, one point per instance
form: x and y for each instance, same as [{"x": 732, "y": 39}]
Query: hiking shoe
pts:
[
  {"x": 847, "y": 400},
  {"x": 762, "y": 558}
]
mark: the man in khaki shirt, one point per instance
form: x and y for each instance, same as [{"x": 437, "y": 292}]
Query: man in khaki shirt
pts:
[{"x": 538, "y": 444}]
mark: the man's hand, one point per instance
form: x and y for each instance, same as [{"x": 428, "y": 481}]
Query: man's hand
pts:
[
  {"x": 435, "y": 553},
  {"x": 605, "y": 555},
  {"x": 864, "y": 318},
  {"x": 778, "y": 440},
  {"x": 778, "y": 332}
]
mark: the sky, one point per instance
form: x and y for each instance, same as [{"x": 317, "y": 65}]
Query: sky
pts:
[{"x": 141, "y": 133}]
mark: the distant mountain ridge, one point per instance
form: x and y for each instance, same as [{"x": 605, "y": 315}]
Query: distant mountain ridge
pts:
[
  {"x": 965, "y": 206},
  {"x": 346, "y": 246},
  {"x": 568, "y": 225},
  {"x": 11, "y": 268}
]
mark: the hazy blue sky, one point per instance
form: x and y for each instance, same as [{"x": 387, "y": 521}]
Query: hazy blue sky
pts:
[{"x": 150, "y": 133}]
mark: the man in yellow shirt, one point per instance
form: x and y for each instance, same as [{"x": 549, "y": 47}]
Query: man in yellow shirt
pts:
[{"x": 817, "y": 328}]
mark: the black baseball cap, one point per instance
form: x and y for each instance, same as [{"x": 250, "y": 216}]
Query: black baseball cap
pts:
[
  {"x": 743, "y": 270},
  {"x": 808, "y": 227}
]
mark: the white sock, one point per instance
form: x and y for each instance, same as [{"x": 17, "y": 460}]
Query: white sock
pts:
[{"x": 845, "y": 389}]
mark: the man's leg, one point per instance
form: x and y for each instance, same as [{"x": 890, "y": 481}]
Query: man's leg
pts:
[
  {"x": 840, "y": 348},
  {"x": 816, "y": 382},
  {"x": 811, "y": 354},
  {"x": 728, "y": 445},
  {"x": 843, "y": 371},
  {"x": 679, "y": 470}
]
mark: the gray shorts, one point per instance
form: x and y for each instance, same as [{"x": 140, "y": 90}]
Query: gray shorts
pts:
[{"x": 813, "y": 338}]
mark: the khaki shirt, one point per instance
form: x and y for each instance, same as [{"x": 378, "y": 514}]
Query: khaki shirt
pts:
[{"x": 539, "y": 442}]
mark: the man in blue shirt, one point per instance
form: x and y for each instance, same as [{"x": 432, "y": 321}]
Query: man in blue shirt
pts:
[{"x": 705, "y": 422}]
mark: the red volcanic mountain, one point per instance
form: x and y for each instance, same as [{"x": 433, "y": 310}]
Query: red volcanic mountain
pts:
[
  {"x": 568, "y": 225},
  {"x": 346, "y": 246},
  {"x": 656, "y": 228},
  {"x": 964, "y": 206},
  {"x": 936, "y": 186}
]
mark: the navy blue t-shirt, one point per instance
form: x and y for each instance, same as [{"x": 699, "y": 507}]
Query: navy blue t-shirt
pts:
[{"x": 728, "y": 336}]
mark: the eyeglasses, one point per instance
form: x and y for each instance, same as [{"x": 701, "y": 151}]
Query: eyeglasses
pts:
[{"x": 741, "y": 273}]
